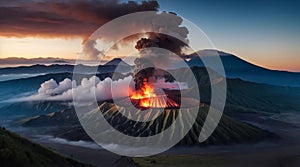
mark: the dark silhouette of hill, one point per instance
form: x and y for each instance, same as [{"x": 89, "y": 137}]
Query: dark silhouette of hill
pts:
[
  {"x": 116, "y": 62},
  {"x": 18, "y": 151}
]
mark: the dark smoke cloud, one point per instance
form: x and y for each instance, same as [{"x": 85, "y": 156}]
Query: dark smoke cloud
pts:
[
  {"x": 161, "y": 41},
  {"x": 55, "y": 18},
  {"x": 168, "y": 23},
  {"x": 159, "y": 47},
  {"x": 156, "y": 26},
  {"x": 169, "y": 36}
]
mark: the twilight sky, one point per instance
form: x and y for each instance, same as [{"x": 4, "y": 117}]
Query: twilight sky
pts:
[{"x": 263, "y": 32}]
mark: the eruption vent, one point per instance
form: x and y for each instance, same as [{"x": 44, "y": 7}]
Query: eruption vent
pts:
[{"x": 146, "y": 97}]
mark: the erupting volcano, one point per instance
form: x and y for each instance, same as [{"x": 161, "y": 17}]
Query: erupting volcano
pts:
[
  {"x": 147, "y": 97},
  {"x": 147, "y": 71}
]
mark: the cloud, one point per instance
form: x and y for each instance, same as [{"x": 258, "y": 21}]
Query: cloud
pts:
[
  {"x": 79, "y": 18},
  {"x": 52, "y": 88},
  {"x": 150, "y": 29},
  {"x": 90, "y": 50},
  {"x": 70, "y": 18},
  {"x": 166, "y": 23},
  {"x": 65, "y": 19},
  {"x": 90, "y": 89}
]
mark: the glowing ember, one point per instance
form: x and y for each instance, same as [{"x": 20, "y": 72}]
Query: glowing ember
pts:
[{"x": 146, "y": 98}]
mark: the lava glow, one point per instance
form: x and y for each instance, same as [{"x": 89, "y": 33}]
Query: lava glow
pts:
[
  {"x": 147, "y": 98},
  {"x": 146, "y": 91}
]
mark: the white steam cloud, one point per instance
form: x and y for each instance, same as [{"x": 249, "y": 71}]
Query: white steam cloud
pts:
[{"x": 91, "y": 89}]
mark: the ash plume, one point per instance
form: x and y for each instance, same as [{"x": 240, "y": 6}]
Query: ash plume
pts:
[
  {"x": 161, "y": 41},
  {"x": 164, "y": 23}
]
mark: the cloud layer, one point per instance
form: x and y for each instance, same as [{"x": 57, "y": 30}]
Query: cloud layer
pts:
[
  {"x": 91, "y": 89},
  {"x": 70, "y": 18}
]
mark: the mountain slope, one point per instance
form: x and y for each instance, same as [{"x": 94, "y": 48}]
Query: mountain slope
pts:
[
  {"x": 238, "y": 68},
  {"x": 66, "y": 117},
  {"x": 229, "y": 131},
  {"x": 18, "y": 151},
  {"x": 240, "y": 93}
]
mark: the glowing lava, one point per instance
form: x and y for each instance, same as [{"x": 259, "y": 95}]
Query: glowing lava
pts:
[{"x": 146, "y": 97}]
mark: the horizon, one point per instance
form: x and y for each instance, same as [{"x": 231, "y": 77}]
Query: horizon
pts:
[
  {"x": 4, "y": 65},
  {"x": 267, "y": 40}
]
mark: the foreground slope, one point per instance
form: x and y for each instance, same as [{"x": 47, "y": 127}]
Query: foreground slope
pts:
[{"x": 18, "y": 151}]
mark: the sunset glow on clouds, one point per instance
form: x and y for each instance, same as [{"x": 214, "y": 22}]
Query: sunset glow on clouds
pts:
[
  {"x": 47, "y": 28},
  {"x": 56, "y": 28}
]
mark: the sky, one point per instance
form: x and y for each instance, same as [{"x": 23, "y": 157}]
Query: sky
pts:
[
  {"x": 263, "y": 32},
  {"x": 266, "y": 33}
]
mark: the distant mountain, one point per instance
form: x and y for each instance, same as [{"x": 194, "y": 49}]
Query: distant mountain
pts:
[
  {"x": 118, "y": 65},
  {"x": 238, "y": 68},
  {"x": 38, "y": 68},
  {"x": 49, "y": 60},
  {"x": 61, "y": 61},
  {"x": 18, "y": 151},
  {"x": 116, "y": 62},
  {"x": 57, "y": 68},
  {"x": 233, "y": 65}
]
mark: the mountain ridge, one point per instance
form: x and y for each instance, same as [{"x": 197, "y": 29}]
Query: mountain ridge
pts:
[{"x": 235, "y": 67}]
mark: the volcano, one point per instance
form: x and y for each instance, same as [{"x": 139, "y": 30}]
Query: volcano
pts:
[
  {"x": 149, "y": 94},
  {"x": 147, "y": 97}
]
